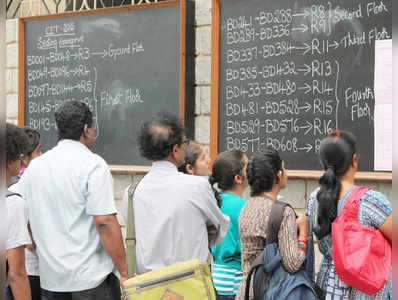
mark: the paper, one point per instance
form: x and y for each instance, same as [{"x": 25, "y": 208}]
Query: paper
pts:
[{"x": 383, "y": 106}]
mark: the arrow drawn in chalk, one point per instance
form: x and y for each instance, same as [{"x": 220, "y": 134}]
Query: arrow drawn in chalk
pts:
[
  {"x": 303, "y": 28},
  {"x": 307, "y": 88},
  {"x": 307, "y": 148}
]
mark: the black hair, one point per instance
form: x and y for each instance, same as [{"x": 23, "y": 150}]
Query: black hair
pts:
[
  {"x": 71, "y": 117},
  {"x": 157, "y": 137},
  {"x": 336, "y": 155},
  {"x": 33, "y": 140},
  {"x": 226, "y": 166},
  {"x": 192, "y": 153},
  {"x": 262, "y": 171},
  {"x": 16, "y": 143}
]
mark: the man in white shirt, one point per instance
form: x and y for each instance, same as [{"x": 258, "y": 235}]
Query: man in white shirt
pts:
[
  {"x": 173, "y": 211},
  {"x": 72, "y": 214},
  {"x": 16, "y": 221}
]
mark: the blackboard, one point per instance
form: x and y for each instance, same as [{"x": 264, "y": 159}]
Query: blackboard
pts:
[
  {"x": 285, "y": 73},
  {"x": 126, "y": 63}
]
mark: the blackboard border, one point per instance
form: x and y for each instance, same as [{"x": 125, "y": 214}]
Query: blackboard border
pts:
[
  {"x": 184, "y": 61},
  {"x": 215, "y": 80}
]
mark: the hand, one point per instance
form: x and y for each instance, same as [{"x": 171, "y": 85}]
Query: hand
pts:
[
  {"x": 302, "y": 224},
  {"x": 32, "y": 247},
  {"x": 123, "y": 279}
]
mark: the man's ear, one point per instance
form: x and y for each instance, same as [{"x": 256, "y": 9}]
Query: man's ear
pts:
[
  {"x": 85, "y": 130},
  {"x": 175, "y": 148}
]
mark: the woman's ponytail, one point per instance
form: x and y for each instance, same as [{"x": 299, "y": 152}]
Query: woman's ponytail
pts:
[
  {"x": 328, "y": 197},
  {"x": 213, "y": 181},
  {"x": 336, "y": 155}
]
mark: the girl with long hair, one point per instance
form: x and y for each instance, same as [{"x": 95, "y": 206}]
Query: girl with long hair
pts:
[{"x": 339, "y": 159}]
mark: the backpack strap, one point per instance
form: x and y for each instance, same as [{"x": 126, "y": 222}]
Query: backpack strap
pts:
[
  {"x": 274, "y": 223},
  {"x": 130, "y": 233}
]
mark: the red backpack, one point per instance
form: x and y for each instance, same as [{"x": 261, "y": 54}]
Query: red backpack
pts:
[{"x": 362, "y": 255}]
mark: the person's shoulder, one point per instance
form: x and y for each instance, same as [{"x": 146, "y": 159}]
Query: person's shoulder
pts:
[
  {"x": 193, "y": 180},
  {"x": 97, "y": 159},
  {"x": 14, "y": 201},
  {"x": 376, "y": 198}
]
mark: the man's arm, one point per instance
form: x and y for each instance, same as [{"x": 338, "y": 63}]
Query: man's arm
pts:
[
  {"x": 112, "y": 240},
  {"x": 17, "y": 276},
  {"x": 217, "y": 223}
]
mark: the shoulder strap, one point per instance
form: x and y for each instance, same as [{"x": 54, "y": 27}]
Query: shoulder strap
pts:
[
  {"x": 351, "y": 205},
  {"x": 130, "y": 233},
  {"x": 274, "y": 222}
]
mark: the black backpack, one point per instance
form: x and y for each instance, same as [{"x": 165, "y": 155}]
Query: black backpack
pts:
[{"x": 271, "y": 281}]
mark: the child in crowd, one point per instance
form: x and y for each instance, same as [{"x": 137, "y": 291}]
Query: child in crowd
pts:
[
  {"x": 196, "y": 160},
  {"x": 229, "y": 172}
]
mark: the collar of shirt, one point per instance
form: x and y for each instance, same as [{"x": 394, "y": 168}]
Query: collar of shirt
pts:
[
  {"x": 164, "y": 165},
  {"x": 73, "y": 143}
]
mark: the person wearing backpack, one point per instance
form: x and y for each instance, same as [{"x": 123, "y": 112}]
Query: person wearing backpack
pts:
[
  {"x": 31, "y": 259},
  {"x": 267, "y": 177},
  {"x": 339, "y": 159},
  {"x": 229, "y": 172},
  {"x": 17, "y": 286}
]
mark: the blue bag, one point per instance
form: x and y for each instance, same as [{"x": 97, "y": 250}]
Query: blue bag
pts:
[{"x": 271, "y": 281}]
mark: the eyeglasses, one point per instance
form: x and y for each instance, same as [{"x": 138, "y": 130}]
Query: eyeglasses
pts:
[{"x": 186, "y": 142}]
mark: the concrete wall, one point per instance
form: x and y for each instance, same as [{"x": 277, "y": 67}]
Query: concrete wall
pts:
[{"x": 298, "y": 189}]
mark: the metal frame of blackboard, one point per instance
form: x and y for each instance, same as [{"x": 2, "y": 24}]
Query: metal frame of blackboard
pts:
[
  {"x": 215, "y": 66},
  {"x": 116, "y": 169}
]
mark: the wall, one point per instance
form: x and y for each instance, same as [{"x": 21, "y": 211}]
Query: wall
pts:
[{"x": 298, "y": 189}]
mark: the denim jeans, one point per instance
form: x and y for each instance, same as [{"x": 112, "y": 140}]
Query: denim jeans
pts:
[{"x": 107, "y": 290}]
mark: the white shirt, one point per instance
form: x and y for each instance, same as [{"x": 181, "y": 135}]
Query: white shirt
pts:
[
  {"x": 65, "y": 188},
  {"x": 16, "y": 223},
  {"x": 172, "y": 212},
  {"x": 31, "y": 258}
]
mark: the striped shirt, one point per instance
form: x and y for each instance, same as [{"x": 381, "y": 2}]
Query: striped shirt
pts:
[{"x": 226, "y": 280}]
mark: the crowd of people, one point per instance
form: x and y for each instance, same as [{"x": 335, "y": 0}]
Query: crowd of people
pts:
[{"x": 65, "y": 242}]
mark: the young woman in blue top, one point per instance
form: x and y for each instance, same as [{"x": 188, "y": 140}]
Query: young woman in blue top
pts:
[{"x": 229, "y": 172}]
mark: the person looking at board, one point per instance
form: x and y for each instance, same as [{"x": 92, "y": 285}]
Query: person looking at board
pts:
[
  {"x": 197, "y": 162},
  {"x": 229, "y": 173},
  {"x": 173, "y": 211},
  {"x": 17, "y": 285},
  {"x": 267, "y": 176},
  {"x": 72, "y": 213},
  {"x": 31, "y": 259},
  {"x": 339, "y": 158}
]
